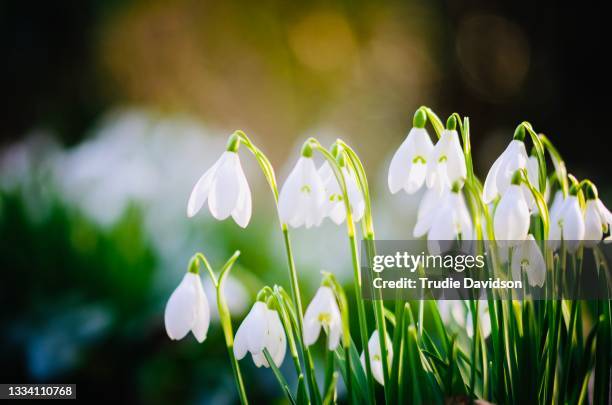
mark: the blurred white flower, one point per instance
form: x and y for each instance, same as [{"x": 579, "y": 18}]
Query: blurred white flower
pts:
[
  {"x": 443, "y": 220},
  {"x": 227, "y": 190},
  {"x": 376, "y": 364},
  {"x": 302, "y": 197},
  {"x": 323, "y": 312},
  {"x": 513, "y": 158},
  {"x": 409, "y": 164},
  {"x": 334, "y": 206},
  {"x": 511, "y": 218},
  {"x": 261, "y": 329},
  {"x": 446, "y": 163},
  {"x": 187, "y": 310},
  {"x": 527, "y": 257},
  {"x": 457, "y": 311}
]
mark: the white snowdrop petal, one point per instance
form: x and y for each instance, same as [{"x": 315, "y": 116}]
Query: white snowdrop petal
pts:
[
  {"x": 202, "y": 318},
  {"x": 225, "y": 188},
  {"x": 289, "y": 194},
  {"x": 511, "y": 218},
  {"x": 180, "y": 310},
  {"x": 490, "y": 186},
  {"x": 573, "y": 223},
  {"x": 242, "y": 211},
  {"x": 200, "y": 191},
  {"x": 400, "y": 165},
  {"x": 593, "y": 226}
]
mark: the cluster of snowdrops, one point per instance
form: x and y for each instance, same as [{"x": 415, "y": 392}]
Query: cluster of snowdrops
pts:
[{"x": 519, "y": 202}]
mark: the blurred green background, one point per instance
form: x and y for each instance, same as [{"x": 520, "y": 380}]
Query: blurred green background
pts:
[{"x": 112, "y": 109}]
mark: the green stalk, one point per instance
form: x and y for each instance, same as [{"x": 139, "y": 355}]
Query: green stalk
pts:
[
  {"x": 368, "y": 235},
  {"x": 268, "y": 172},
  {"x": 363, "y": 329},
  {"x": 225, "y": 317}
]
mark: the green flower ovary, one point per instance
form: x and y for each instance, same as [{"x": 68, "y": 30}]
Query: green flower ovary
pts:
[{"x": 335, "y": 197}]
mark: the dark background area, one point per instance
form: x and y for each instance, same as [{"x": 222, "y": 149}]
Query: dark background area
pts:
[{"x": 50, "y": 73}]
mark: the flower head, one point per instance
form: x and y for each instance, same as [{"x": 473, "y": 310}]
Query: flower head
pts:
[
  {"x": 511, "y": 219},
  {"x": 446, "y": 164},
  {"x": 302, "y": 198},
  {"x": 323, "y": 312},
  {"x": 225, "y": 187},
  {"x": 597, "y": 220},
  {"x": 554, "y": 232},
  {"x": 513, "y": 158},
  {"x": 187, "y": 310},
  {"x": 458, "y": 312},
  {"x": 376, "y": 363},
  {"x": 334, "y": 206},
  {"x": 261, "y": 329},
  {"x": 527, "y": 257},
  {"x": 443, "y": 219},
  {"x": 409, "y": 164},
  {"x": 571, "y": 221}
]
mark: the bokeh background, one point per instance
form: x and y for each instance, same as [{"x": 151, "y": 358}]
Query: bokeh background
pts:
[{"x": 111, "y": 110}]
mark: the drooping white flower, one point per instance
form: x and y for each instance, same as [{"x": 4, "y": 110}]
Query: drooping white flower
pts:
[
  {"x": 445, "y": 219},
  {"x": 225, "y": 187},
  {"x": 376, "y": 364},
  {"x": 261, "y": 329},
  {"x": 334, "y": 206},
  {"x": 446, "y": 163},
  {"x": 409, "y": 164},
  {"x": 302, "y": 198},
  {"x": 188, "y": 310},
  {"x": 527, "y": 257},
  {"x": 323, "y": 312},
  {"x": 457, "y": 311},
  {"x": 498, "y": 179},
  {"x": 597, "y": 220},
  {"x": 554, "y": 232},
  {"x": 511, "y": 219},
  {"x": 571, "y": 220}
]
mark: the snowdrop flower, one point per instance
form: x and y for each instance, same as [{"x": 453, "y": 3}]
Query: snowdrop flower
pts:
[
  {"x": 511, "y": 218},
  {"x": 188, "y": 310},
  {"x": 409, "y": 164},
  {"x": 571, "y": 222},
  {"x": 554, "y": 233},
  {"x": 444, "y": 221},
  {"x": 261, "y": 329},
  {"x": 457, "y": 311},
  {"x": 513, "y": 158},
  {"x": 597, "y": 218},
  {"x": 334, "y": 206},
  {"x": 446, "y": 164},
  {"x": 528, "y": 257},
  {"x": 226, "y": 188},
  {"x": 323, "y": 312},
  {"x": 302, "y": 198},
  {"x": 376, "y": 364}
]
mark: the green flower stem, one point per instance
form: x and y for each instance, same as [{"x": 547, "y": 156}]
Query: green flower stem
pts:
[
  {"x": 268, "y": 172},
  {"x": 330, "y": 279},
  {"x": 363, "y": 328},
  {"x": 368, "y": 235},
  {"x": 225, "y": 317}
]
